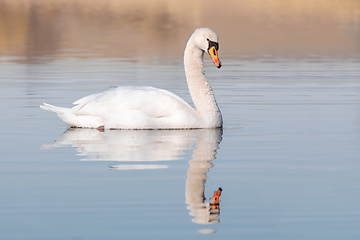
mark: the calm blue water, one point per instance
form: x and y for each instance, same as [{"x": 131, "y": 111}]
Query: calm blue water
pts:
[{"x": 288, "y": 159}]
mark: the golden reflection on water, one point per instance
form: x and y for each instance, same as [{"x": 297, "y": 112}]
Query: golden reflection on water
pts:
[{"x": 128, "y": 28}]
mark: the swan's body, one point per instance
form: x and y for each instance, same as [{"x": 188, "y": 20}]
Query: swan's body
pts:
[{"x": 153, "y": 108}]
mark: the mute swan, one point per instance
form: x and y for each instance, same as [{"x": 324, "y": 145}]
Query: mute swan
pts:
[{"x": 153, "y": 108}]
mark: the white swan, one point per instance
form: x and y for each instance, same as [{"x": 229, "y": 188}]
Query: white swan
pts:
[{"x": 153, "y": 108}]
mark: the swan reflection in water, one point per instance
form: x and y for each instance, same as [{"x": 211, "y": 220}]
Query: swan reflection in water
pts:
[{"x": 141, "y": 147}]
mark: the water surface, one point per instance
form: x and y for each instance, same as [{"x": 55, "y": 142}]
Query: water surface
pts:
[{"x": 287, "y": 159}]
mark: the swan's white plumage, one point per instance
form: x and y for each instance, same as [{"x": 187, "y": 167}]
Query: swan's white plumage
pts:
[
  {"x": 148, "y": 107},
  {"x": 137, "y": 108}
]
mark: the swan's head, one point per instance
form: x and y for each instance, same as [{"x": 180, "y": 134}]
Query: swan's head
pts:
[{"x": 207, "y": 40}]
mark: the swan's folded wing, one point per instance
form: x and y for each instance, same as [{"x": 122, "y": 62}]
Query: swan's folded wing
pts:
[
  {"x": 85, "y": 100},
  {"x": 162, "y": 104},
  {"x": 149, "y": 101}
]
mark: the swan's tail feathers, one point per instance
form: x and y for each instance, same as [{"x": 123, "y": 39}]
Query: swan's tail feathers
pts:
[
  {"x": 73, "y": 120},
  {"x": 51, "y": 108}
]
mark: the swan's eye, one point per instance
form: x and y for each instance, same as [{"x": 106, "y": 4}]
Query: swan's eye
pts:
[{"x": 213, "y": 44}]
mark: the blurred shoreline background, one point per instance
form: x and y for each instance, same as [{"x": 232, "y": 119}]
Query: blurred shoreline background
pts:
[{"x": 55, "y": 29}]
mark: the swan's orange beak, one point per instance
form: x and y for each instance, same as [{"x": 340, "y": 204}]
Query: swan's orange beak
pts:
[{"x": 214, "y": 57}]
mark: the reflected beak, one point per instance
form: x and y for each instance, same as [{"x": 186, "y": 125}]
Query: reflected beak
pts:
[{"x": 214, "y": 57}]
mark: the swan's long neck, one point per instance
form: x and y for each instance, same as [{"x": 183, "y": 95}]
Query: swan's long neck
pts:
[{"x": 199, "y": 88}]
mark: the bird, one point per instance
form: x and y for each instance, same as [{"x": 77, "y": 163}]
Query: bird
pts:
[{"x": 145, "y": 107}]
